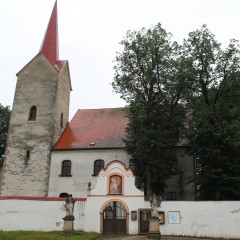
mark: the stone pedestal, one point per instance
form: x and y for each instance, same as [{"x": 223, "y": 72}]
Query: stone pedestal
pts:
[
  {"x": 154, "y": 229},
  {"x": 68, "y": 226}
]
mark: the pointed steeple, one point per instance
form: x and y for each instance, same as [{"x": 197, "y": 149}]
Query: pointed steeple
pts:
[{"x": 50, "y": 42}]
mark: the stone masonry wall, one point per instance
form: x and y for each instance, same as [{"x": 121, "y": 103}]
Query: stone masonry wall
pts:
[
  {"x": 62, "y": 102},
  {"x": 37, "y": 85}
]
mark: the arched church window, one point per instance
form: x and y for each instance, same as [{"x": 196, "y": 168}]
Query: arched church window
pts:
[
  {"x": 61, "y": 120},
  {"x": 66, "y": 168},
  {"x": 63, "y": 195},
  {"x": 32, "y": 113},
  {"x": 98, "y": 165}
]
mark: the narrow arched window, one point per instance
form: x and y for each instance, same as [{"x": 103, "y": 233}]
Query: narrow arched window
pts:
[
  {"x": 61, "y": 120},
  {"x": 66, "y": 168},
  {"x": 98, "y": 165},
  {"x": 63, "y": 195},
  {"x": 32, "y": 113}
]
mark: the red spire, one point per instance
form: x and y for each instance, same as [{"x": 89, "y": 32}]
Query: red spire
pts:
[{"x": 50, "y": 42}]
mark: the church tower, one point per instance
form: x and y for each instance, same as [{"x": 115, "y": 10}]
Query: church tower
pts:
[{"x": 39, "y": 115}]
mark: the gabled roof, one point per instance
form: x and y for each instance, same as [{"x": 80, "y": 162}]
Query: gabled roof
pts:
[
  {"x": 40, "y": 54},
  {"x": 94, "y": 129}
]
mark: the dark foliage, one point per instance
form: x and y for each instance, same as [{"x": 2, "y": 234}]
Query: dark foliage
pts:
[{"x": 4, "y": 122}]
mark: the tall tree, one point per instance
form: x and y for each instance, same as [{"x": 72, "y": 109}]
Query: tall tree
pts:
[
  {"x": 149, "y": 76},
  {"x": 4, "y": 122},
  {"x": 214, "y": 104}
]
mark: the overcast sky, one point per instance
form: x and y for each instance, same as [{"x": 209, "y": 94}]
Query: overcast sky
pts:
[{"x": 89, "y": 36}]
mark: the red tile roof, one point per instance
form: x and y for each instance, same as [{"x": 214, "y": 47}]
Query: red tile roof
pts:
[{"x": 94, "y": 128}]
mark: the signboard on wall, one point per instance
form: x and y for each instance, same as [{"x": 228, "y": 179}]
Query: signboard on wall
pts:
[{"x": 174, "y": 217}]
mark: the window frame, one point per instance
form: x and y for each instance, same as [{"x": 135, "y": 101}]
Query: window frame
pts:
[
  {"x": 63, "y": 195},
  {"x": 66, "y": 168},
  {"x": 171, "y": 196},
  {"x": 97, "y": 168},
  {"x": 61, "y": 120},
  {"x": 32, "y": 113},
  {"x": 28, "y": 154}
]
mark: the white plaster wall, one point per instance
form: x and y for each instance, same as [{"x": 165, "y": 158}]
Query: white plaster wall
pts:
[
  {"x": 82, "y": 169},
  {"x": 204, "y": 219},
  {"x": 36, "y": 215},
  {"x": 201, "y": 219}
]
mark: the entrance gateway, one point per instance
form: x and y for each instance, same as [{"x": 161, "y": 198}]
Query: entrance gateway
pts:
[
  {"x": 114, "y": 219},
  {"x": 114, "y": 201}
]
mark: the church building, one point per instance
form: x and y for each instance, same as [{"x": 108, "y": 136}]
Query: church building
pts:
[{"x": 46, "y": 155}]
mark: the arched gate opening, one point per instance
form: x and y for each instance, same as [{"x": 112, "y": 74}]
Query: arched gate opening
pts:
[{"x": 114, "y": 219}]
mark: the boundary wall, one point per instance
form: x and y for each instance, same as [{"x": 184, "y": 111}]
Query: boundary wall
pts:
[
  {"x": 37, "y": 213},
  {"x": 213, "y": 219}
]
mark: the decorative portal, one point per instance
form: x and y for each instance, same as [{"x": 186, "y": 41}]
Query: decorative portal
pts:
[{"x": 115, "y": 186}]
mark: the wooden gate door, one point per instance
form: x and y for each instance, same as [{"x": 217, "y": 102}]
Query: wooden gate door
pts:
[
  {"x": 114, "y": 219},
  {"x": 144, "y": 221}
]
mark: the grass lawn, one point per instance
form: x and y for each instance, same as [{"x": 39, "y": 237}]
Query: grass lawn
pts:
[{"x": 32, "y": 235}]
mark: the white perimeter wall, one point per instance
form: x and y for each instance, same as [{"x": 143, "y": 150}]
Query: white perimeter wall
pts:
[
  {"x": 37, "y": 215},
  {"x": 201, "y": 219}
]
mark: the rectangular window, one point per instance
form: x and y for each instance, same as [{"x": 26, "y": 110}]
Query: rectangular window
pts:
[
  {"x": 27, "y": 154},
  {"x": 171, "y": 196}
]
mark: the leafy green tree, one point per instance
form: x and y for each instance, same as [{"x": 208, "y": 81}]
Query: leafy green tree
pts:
[
  {"x": 4, "y": 122},
  {"x": 149, "y": 76},
  {"x": 214, "y": 122}
]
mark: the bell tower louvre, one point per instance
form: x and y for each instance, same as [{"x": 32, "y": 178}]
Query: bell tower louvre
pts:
[{"x": 39, "y": 115}]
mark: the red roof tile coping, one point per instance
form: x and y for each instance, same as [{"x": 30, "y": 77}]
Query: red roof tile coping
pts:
[{"x": 39, "y": 198}]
